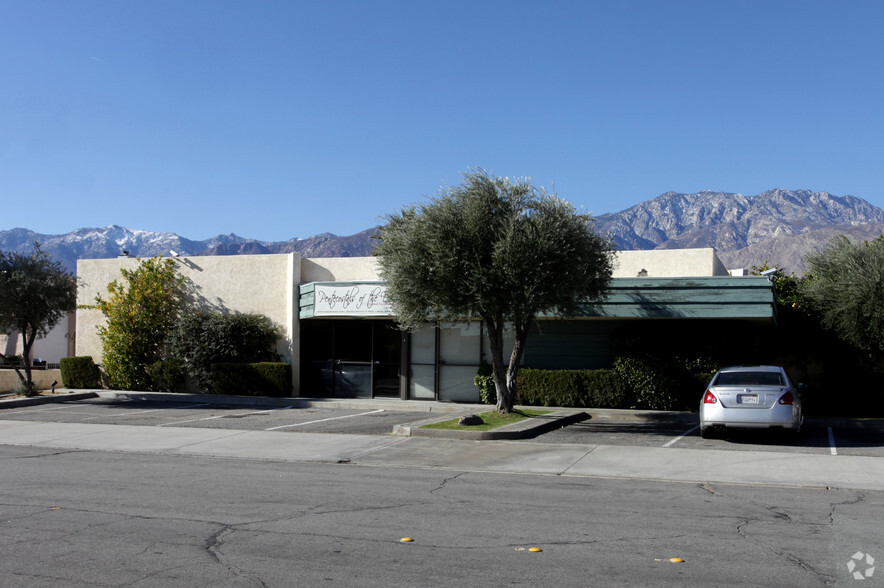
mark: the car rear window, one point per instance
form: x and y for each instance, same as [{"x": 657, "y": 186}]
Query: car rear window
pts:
[{"x": 749, "y": 379}]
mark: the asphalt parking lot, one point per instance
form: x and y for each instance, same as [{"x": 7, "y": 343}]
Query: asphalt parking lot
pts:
[
  {"x": 819, "y": 438},
  {"x": 372, "y": 421}
]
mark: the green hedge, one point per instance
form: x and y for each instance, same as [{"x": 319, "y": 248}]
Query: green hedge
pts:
[
  {"x": 200, "y": 339},
  {"x": 166, "y": 375},
  {"x": 252, "y": 379},
  {"x": 666, "y": 365},
  {"x": 575, "y": 388},
  {"x": 80, "y": 372}
]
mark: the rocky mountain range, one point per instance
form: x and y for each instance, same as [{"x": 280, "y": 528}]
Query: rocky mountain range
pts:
[
  {"x": 114, "y": 240},
  {"x": 777, "y": 226}
]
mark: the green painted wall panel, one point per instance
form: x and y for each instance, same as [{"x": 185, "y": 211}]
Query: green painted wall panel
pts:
[{"x": 564, "y": 344}]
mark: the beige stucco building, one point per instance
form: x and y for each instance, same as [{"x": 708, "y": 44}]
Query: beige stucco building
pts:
[
  {"x": 261, "y": 284},
  {"x": 58, "y": 343},
  {"x": 340, "y": 337},
  {"x": 669, "y": 263}
]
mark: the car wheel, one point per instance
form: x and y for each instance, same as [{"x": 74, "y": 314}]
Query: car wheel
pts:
[{"x": 707, "y": 432}]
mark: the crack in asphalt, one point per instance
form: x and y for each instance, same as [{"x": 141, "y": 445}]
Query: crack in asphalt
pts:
[
  {"x": 859, "y": 499},
  {"x": 792, "y": 558},
  {"x": 140, "y": 579},
  {"x": 45, "y": 454},
  {"x": 446, "y": 480},
  {"x": 317, "y": 510},
  {"x": 783, "y": 554},
  {"x": 55, "y": 579},
  {"x": 709, "y": 488},
  {"x": 213, "y": 546},
  {"x": 780, "y": 516}
]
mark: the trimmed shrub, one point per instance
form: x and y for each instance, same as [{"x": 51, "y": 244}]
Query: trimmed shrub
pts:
[
  {"x": 252, "y": 379},
  {"x": 166, "y": 375},
  {"x": 484, "y": 381},
  {"x": 663, "y": 365},
  {"x": 205, "y": 338},
  {"x": 80, "y": 372},
  {"x": 650, "y": 382},
  {"x": 574, "y": 388}
]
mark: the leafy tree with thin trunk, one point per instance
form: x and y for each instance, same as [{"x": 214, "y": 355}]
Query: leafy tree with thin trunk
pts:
[
  {"x": 35, "y": 294},
  {"x": 141, "y": 310},
  {"x": 845, "y": 285},
  {"x": 494, "y": 249}
]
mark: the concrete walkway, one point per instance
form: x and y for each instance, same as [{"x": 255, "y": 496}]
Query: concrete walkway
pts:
[{"x": 664, "y": 464}]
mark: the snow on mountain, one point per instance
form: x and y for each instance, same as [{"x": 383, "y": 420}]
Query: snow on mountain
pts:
[{"x": 777, "y": 226}]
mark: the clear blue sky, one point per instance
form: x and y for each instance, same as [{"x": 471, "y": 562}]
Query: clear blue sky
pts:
[{"x": 282, "y": 119}]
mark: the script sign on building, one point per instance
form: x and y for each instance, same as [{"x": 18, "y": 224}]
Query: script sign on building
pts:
[{"x": 351, "y": 300}]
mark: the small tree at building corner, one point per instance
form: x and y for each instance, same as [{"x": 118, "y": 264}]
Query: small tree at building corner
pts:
[
  {"x": 35, "y": 294},
  {"x": 496, "y": 249},
  {"x": 141, "y": 310}
]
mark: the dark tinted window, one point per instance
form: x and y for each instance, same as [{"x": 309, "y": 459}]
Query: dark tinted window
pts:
[{"x": 749, "y": 379}]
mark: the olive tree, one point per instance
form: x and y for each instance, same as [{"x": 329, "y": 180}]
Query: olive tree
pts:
[
  {"x": 141, "y": 310},
  {"x": 495, "y": 249},
  {"x": 845, "y": 285},
  {"x": 35, "y": 294}
]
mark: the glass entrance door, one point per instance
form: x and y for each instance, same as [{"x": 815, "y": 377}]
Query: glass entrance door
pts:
[
  {"x": 351, "y": 358},
  {"x": 387, "y": 358}
]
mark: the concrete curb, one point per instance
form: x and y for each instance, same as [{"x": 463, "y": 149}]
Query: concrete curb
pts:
[
  {"x": 650, "y": 416},
  {"x": 34, "y": 400}
]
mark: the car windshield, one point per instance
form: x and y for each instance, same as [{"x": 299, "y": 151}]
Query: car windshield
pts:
[{"x": 749, "y": 379}]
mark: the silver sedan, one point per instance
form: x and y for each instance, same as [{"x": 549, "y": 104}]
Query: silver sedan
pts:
[{"x": 751, "y": 397}]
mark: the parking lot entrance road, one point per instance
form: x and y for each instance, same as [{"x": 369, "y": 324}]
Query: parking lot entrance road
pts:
[{"x": 609, "y": 445}]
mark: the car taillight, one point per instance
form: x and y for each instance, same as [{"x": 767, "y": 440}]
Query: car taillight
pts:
[
  {"x": 787, "y": 398},
  {"x": 709, "y": 398}
]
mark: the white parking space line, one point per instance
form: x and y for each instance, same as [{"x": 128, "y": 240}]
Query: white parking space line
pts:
[
  {"x": 832, "y": 448},
  {"x": 324, "y": 420},
  {"x": 125, "y": 414},
  {"x": 221, "y": 416},
  {"x": 17, "y": 411},
  {"x": 672, "y": 442}
]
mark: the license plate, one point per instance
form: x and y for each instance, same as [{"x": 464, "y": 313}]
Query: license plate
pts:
[{"x": 747, "y": 398}]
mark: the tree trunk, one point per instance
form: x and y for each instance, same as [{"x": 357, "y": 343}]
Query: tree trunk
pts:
[
  {"x": 515, "y": 361},
  {"x": 498, "y": 367},
  {"x": 28, "y": 335},
  {"x": 505, "y": 375}
]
